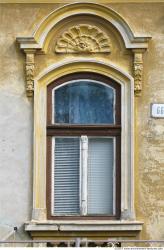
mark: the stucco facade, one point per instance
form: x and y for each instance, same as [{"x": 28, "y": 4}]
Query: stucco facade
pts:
[{"x": 22, "y": 181}]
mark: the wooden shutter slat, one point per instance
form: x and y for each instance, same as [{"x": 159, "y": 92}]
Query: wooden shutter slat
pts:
[{"x": 66, "y": 175}]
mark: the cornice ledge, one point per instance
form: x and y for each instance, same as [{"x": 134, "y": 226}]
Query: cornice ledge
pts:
[
  {"x": 93, "y": 225},
  {"x": 28, "y": 43},
  {"x": 140, "y": 42}
]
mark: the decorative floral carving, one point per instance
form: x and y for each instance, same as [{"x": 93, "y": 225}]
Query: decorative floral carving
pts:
[
  {"x": 83, "y": 39},
  {"x": 30, "y": 73},
  {"x": 138, "y": 72},
  {"x": 138, "y": 68}
]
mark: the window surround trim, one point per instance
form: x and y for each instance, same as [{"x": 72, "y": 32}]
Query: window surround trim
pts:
[{"x": 127, "y": 85}]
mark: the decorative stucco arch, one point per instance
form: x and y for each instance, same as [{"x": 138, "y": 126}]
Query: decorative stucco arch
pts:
[
  {"x": 37, "y": 42},
  {"x": 39, "y": 36}
]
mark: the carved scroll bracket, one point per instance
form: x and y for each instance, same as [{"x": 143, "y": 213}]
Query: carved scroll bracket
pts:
[
  {"x": 30, "y": 69},
  {"x": 138, "y": 70}
]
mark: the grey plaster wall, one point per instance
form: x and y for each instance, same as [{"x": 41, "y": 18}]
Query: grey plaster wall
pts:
[
  {"x": 16, "y": 117},
  {"x": 15, "y": 130}
]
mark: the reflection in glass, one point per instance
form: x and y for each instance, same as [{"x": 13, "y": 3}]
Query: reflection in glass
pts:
[{"x": 84, "y": 102}]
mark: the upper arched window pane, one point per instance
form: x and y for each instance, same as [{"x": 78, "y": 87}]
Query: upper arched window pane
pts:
[{"x": 84, "y": 102}]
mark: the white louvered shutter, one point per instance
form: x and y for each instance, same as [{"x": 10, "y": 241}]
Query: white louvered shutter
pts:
[
  {"x": 66, "y": 176},
  {"x": 100, "y": 176}
]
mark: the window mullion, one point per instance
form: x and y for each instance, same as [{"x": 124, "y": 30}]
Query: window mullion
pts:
[{"x": 84, "y": 163}]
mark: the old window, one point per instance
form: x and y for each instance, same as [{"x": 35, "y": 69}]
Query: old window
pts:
[{"x": 83, "y": 146}]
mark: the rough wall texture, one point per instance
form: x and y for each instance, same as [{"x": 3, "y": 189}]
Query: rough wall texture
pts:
[{"x": 16, "y": 116}]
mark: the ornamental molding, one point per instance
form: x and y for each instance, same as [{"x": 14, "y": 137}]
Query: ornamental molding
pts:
[
  {"x": 83, "y": 39},
  {"x": 30, "y": 68},
  {"x": 138, "y": 71}
]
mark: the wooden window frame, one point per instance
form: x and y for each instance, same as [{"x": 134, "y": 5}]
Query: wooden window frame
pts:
[{"x": 88, "y": 130}]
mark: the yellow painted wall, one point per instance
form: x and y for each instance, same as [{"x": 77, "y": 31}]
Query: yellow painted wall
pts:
[{"x": 144, "y": 18}]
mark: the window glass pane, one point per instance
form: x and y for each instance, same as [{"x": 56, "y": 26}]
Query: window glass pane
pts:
[
  {"x": 100, "y": 176},
  {"x": 84, "y": 102},
  {"x": 66, "y": 176}
]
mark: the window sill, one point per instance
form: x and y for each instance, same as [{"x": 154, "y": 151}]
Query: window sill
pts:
[{"x": 66, "y": 226}]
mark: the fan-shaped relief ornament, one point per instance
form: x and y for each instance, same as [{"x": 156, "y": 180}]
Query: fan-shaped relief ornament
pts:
[{"x": 83, "y": 39}]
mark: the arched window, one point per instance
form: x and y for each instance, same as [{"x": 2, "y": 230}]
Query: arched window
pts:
[{"x": 83, "y": 147}]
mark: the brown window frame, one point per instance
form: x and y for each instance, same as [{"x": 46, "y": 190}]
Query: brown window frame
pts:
[{"x": 89, "y": 130}]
